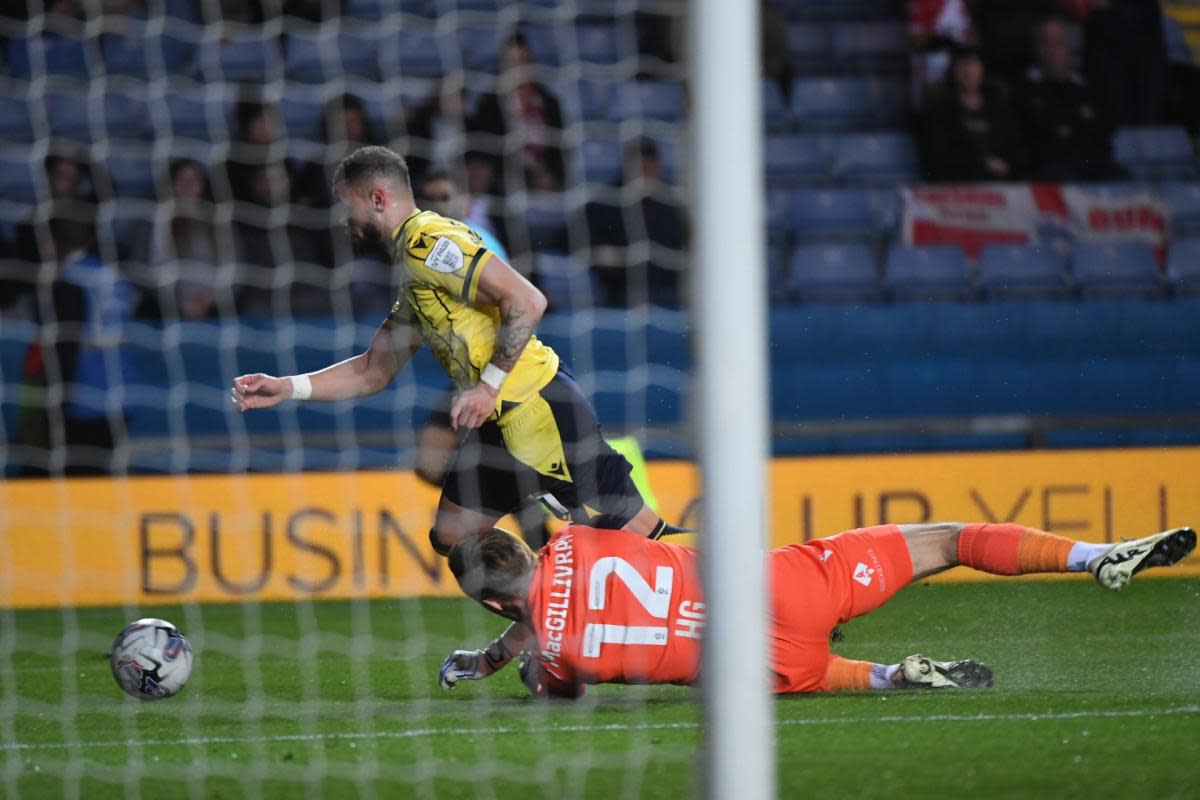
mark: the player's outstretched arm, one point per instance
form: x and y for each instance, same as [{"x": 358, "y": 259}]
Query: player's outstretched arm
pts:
[
  {"x": 367, "y": 373},
  {"x": 521, "y": 307}
]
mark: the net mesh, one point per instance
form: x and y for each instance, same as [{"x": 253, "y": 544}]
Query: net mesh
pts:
[{"x": 171, "y": 161}]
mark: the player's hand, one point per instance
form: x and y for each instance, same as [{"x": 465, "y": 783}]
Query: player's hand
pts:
[
  {"x": 471, "y": 665},
  {"x": 472, "y": 408},
  {"x": 259, "y": 391}
]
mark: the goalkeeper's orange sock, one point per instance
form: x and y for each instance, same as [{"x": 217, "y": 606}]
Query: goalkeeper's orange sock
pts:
[{"x": 1009, "y": 549}]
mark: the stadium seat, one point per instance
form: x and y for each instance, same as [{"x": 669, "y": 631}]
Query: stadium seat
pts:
[
  {"x": 138, "y": 53},
  {"x": 809, "y": 45},
  {"x": 833, "y": 273},
  {"x": 196, "y": 113},
  {"x": 874, "y": 45},
  {"x": 797, "y": 158},
  {"x": 302, "y": 109},
  {"x": 132, "y": 172},
  {"x": 413, "y": 51},
  {"x": 935, "y": 272},
  {"x": 1155, "y": 153},
  {"x": 19, "y": 182},
  {"x": 596, "y": 42},
  {"x": 566, "y": 282},
  {"x": 246, "y": 57},
  {"x": 875, "y": 158},
  {"x": 600, "y": 160},
  {"x": 659, "y": 100},
  {"x": 16, "y": 113},
  {"x": 1022, "y": 272},
  {"x": 1183, "y": 266},
  {"x": 586, "y": 100},
  {"x": 543, "y": 42},
  {"x": 1127, "y": 269},
  {"x": 833, "y": 102},
  {"x": 778, "y": 267},
  {"x": 49, "y": 54},
  {"x": 1183, "y": 199},
  {"x": 316, "y": 57},
  {"x": 777, "y": 206},
  {"x": 856, "y": 213},
  {"x": 479, "y": 46},
  {"x": 545, "y": 219}
]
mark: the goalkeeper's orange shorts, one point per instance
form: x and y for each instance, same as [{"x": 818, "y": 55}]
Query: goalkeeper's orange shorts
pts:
[{"x": 817, "y": 585}]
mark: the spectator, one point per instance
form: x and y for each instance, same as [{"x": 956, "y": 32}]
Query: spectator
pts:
[
  {"x": 344, "y": 128},
  {"x": 1005, "y": 28},
  {"x": 935, "y": 27},
  {"x": 437, "y": 192},
  {"x": 1125, "y": 58},
  {"x": 436, "y": 130},
  {"x": 79, "y": 346},
  {"x": 1065, "y": 128},
  {"x": 256, "y": 133},
  {"x": 636, "y": 243},
  {"x": 968, "y": 130},
  {"x": 521, "y": 124},
  {"x": 267, "y": 234},
  {"x": 186, "y": 254},
  {"x": 776, "y": 49}
]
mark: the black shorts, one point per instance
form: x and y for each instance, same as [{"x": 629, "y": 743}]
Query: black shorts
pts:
[{"x": 550, "y": 444}]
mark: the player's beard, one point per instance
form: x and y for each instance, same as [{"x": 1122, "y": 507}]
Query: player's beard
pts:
[{"x": 371, "y": 243}]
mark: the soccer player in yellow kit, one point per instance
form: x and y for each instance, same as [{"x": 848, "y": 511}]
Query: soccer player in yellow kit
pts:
[{"x": 532, "y": 432}]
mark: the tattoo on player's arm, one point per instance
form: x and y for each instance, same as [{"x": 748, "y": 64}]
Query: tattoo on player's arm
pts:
[{"x": 516, "y": 328}]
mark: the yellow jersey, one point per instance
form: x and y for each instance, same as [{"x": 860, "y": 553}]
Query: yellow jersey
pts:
[{"x": 442, "y": 260}]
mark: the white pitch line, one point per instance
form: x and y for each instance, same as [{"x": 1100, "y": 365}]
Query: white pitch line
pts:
[{"x": 611, "y": 727}]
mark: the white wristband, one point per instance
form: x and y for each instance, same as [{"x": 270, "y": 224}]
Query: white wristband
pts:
[
  {"x": 301, "y": 387},
  {"x": 493, "y": 376}
]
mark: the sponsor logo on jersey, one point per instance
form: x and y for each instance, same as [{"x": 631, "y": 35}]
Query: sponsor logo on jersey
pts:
[{"x": 446, "y": 256}]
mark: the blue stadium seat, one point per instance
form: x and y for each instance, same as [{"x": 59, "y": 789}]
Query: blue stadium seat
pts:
[
  {"x": 777, "y": 206},
  {"x": 132, "y": 172},
  {"x": 566, "y": 282},
  {"x": 546, "y": 221},
  {"x": 19, "y": 182},
  {"x": 661, "y": 100},
  {"x": 16, "y": 114},
  {"x": 876, "y": 158},
  {"x": 246, "y": 57},
  {"x": 586, "y": 100},
  {"x": 1183, "y": 198},
  {"x": 597, "y": 43},
  {"x": 1183, "y": 266},
  {"x": 316, "y": 57},
  {"x": 833, "y": 102},
  {"x": 49, "y": 54},
  {"x": 1156, "y": 153},
  {"x": 935, "y": 272},
  {"x": 125, "y": 115},
  {"x": 479, "y": 46},
  {"x": 414, "y": 51},
  {"x": 140, "y": 54},
  {"x": 855, "y": 213},
  {"x": 834, "y": 273},
  {"x": 797, "y": 158},
  {"x": 1127, "y": 269},
  {"x": 195, "y": 113},
  {"x": 809, "y": 45},
  {"x": 67, "y": 113},
  {"x": 600, "y": 160},
  {"x": 1023, "y": 272},
  {"x": 543, "y": 42},
  {"x": 302, "y": 109},
  {"x": 877, "y": 45},
  {"x": 778, "y": 266}
]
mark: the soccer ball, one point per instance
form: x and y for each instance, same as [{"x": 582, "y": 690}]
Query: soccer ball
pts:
[{"x": 150, "y": 659}]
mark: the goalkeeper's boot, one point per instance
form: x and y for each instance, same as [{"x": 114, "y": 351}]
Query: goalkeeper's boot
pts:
[
  {"x": 1124, "y": 560},
  {"x": 922, "y": 672}
]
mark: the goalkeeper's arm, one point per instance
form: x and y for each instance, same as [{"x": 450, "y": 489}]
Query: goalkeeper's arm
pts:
[{"x": 367, "y": 373}]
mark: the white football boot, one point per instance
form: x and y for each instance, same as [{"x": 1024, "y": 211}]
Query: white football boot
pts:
[
  {"x": 922, "y": 672},
  {"x": 1126, "y": 559}
]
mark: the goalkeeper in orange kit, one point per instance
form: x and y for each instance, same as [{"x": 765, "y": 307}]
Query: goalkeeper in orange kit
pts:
[{"x": 612, "y": 607}]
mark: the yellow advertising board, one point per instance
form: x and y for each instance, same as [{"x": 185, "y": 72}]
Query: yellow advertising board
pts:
[{"x": 364, "y": 534}]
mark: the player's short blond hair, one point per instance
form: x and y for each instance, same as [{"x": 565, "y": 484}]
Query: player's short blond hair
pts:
[{"x": 493, "y": 565}]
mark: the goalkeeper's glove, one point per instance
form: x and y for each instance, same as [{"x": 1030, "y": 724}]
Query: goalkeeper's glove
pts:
[{"x": 471, "y": 665}]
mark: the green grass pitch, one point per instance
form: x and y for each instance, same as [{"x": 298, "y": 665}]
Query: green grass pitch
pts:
[{"x": 1097, "y": 695}]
